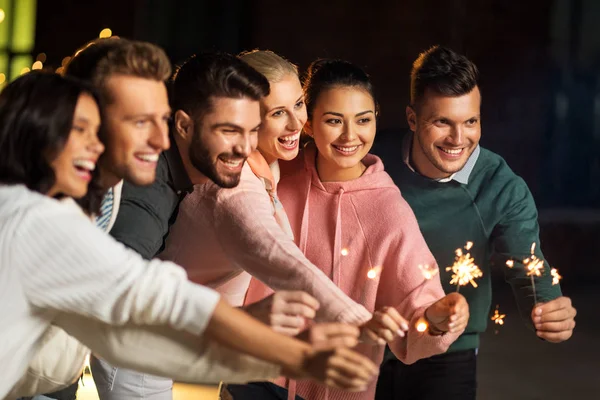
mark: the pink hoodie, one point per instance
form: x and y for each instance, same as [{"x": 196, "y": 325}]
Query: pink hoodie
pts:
[{"x": 349, "y": 228}]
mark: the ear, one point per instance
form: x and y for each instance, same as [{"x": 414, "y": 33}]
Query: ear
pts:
[
  {"x": 183, "y": 124},
  {"x": 411, "y": 118},
  {"x": 308, "y": 129}
]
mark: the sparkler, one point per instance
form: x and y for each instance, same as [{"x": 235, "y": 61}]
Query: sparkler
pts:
[
  {"x": 464, "y": 270},
  {"x": 534, "y": 267}
]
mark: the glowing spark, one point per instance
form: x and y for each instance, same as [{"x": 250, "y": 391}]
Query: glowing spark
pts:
[
  {"x": 464, "y": 270},
  {"x": 345, "y": 252},
  {"x": 374, "y": 272},
  {"x": 421, "y": 325},
  {"x": 37, "y": 65},
  {"x": 532, "y": 248},
  {"x": 510, "y": 263},
  {"x": 428, "y": 271},
  {"x": 534, "y": 267},
  {"x": 498, "y": 318},
  {"x": 555, "y": 276}
]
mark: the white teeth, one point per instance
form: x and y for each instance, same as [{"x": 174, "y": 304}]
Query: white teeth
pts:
[
  {"x": 148, "y": 157},
  {"x": 290, "y": 138},
  {"x": 232, "y": 163},
  {"x": 346, "y": 149},
  {"x": 85, "y": 164},
  {"x": 449, "y": 151}
]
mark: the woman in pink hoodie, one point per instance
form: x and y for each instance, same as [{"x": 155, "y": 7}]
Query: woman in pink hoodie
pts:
[{"x": 349, "y": 218}]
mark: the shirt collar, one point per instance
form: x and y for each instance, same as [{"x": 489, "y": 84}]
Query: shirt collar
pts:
[
  {"x": 461, "y": 176},
  {"x": 181, "y": 180}
]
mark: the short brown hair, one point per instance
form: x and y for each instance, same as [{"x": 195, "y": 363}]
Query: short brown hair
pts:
[
  {"x": 443, "y": 71},
  {"x": 101, "y": 58}
]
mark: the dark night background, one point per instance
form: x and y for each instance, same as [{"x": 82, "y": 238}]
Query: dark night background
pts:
[{"x": 540, "y": 67}]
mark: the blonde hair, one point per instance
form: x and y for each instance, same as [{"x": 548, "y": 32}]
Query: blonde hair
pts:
[{"x": 272, "y": 66}]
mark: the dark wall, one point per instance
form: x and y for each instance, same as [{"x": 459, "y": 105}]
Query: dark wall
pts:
[{"x": 539, "y": 68}]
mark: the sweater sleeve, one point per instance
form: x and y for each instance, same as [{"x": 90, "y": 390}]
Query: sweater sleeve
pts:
[
  {"x": 403, "y": 286},
  {"x": 250, "y": 235},
  {"x": 512, "y": 238},
  {"x": 70, "y": 266},
  {"x": 163, "y": 351}
]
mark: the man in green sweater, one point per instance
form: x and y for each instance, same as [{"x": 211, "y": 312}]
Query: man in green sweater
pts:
[{"x": 461, "y": 192}]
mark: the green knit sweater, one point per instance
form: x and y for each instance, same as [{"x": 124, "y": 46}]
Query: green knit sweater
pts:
[{"x": 494, "y": 210}]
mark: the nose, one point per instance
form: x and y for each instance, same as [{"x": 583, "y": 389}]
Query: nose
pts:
[
  {"x": 456, "y": 137},
  {"x": 95, "y": 145},
  {"x": 159, "y": 137},
  {"x": 349, "y": 133},
  {"x": 295, "y": 124},
  {"x": 246, "y": 145}
]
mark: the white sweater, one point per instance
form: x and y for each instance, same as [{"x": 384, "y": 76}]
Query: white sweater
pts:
[{"x": 53, "y": 262}]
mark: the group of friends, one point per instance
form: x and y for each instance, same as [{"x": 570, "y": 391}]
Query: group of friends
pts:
[{"x": 228, "y": 223}]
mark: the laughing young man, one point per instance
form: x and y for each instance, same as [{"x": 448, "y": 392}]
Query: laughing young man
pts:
[{"x": 461, "y": 192}]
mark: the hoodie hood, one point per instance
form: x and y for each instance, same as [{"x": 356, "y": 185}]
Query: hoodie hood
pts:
[{"x": 374, "y": 176}]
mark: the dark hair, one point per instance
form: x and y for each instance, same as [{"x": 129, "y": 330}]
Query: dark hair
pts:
[
  {"x": 209, "y": 75},
  {"x": 101, "y": 58},
  {"x": 36, "y": 117},
  {"x": 443, "y": 71},
  {"x": 325, "y": 74}
]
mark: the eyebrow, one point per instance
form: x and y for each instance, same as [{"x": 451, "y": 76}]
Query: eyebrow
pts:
[
  {"x": 226, "y": 125},
  {"x": 145, "y": 115},
  {"x": 360, "y": 114},
  {"x": 282, "y": 107}
]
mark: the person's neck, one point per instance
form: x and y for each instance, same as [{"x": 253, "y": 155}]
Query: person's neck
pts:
[
  {"x": 268, "y": 158},
  {"x": 333, "y": 173},
  {"x": 196, "y": 177},
  {"x": 108, "y": 178},
  {"x": 419, "y": 161}
]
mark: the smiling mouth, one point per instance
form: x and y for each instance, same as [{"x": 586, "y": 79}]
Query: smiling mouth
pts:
[
  {"x": 347, "y": 150},
  {"x": 84, "y": 168},
  {"x": 148, "y": 157},
  {"x": 289, "y": 142},
  {"x": 233, "y": 164},
  {"x": 452, "y": 152}
]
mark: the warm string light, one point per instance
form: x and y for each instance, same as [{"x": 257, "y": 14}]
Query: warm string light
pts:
[
  {"x": 105, "y": 33},
  {"x": 464, "y": 270}
]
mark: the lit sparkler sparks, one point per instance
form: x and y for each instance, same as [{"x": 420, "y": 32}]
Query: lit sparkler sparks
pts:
[
  {"x": 497, "y": 317},
  {"x": 510, "y": 263},
  {"x": 555, "y": 276},
  {"x": 374, "y": 272},
  {"x": 464, "y": 270},
  {"x": 534, "y": 267},
  {"x": 345, "y": 252}
]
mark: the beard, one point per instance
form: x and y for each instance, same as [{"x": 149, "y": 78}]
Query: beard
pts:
[{"x": 202, "y": 160}]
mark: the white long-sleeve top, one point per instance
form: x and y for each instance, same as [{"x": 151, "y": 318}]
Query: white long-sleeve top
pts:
[{"x": 54, "y": 262}]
